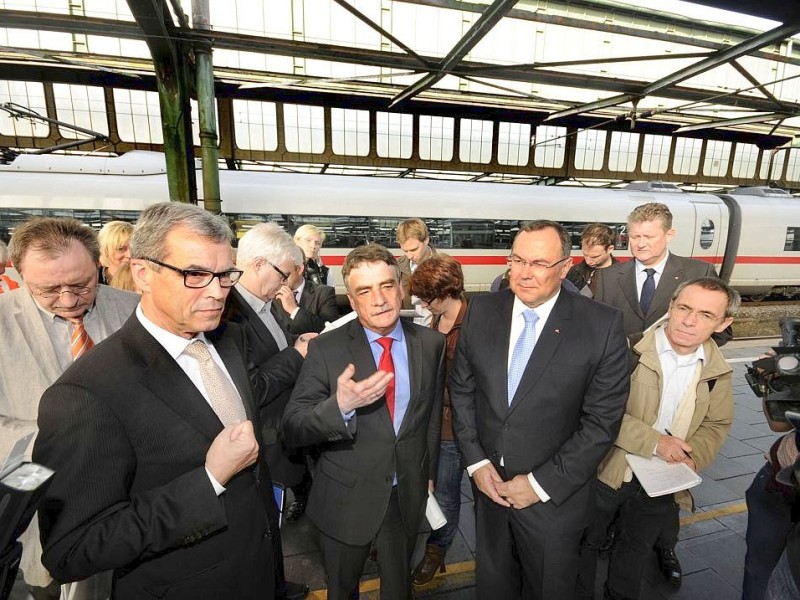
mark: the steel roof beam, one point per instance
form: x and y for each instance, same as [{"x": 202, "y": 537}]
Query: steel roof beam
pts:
[
  {"x": 732, "y": 122},
  {"x": 761, "y": 88},
  {"x": 723, "y": 56},
  {"x": 488, "y": 19}
]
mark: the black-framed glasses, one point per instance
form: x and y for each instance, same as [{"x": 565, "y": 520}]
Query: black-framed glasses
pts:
[
  {"x": 539, "y": 265},
  {"x": 284, "y": 276},
  {"x": 200, "y": 278}
]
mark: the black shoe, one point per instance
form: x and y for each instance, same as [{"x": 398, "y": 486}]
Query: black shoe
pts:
[
  {"x": 295, "y": 591},
  {"x": 669, "y": 565},
  {"x": 294, "y": 511}
]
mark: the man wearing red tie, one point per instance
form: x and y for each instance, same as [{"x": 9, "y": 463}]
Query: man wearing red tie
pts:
[
  {"x": 52, "y": 320},
  {"x": 371, "y": 393}
]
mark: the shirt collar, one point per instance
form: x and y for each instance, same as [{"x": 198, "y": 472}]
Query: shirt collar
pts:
[
  {"x": 256, "y": 303},
  {"x": 299, "y": 291},
  {"x": 396, "y": 334},
  {"x": 658, "y": 267},
  {"x": 542, "y": 311},
  {"x": 664, "y": 347},
  {"x": 173, "y": 344}
]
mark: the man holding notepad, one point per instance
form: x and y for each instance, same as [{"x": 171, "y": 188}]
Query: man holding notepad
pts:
[{"x": 679, "y": 410}]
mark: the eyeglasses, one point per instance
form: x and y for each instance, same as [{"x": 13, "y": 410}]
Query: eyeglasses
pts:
[
  {"x": 284, "y": 276},
  {"x": 539, "y": 265},
  {"x": 75, "y": 291},
  {"x": 704, "y": 316},
  {"x": 200, "y": 278}
]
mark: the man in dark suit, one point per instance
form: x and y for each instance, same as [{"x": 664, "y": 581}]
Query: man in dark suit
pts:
[
  {"x": 538, "y": 388},
  {"x": 642, "y": 289},
  {"x": 371, "y": 393},
  {"x": 152, "y": 437},
  {"x": 303, "y": 305},
  {"x": 267, "y": 256}
]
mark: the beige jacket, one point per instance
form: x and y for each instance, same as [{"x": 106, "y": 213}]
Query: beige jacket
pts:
[{"x": 710, "y": 423}]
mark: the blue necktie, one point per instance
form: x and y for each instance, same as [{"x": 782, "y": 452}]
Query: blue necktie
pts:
[
  {"x": 648, "y": 290},
  {"x": 522, "y": 352}
]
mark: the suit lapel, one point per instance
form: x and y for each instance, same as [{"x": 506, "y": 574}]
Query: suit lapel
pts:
[
  {"x": 673, "y": 273},
  {"x": 167, "y": 381},
  {"x": 415, "y": 358},
  {"x": 38, "y": 343},
  {"x": 627, "y": 282},
  {"x": 255, "y": 323},
  {"x": 500, "y": 321},
  {"x": 546, "y": 346}
]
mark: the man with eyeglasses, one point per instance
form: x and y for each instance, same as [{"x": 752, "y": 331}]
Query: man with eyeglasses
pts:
[
  {"x": 47, "y": 324},
  {"x": 538, "y": 388},
  {"x": 680, "y": 409},
  {"x": 641, "y": 289},
  {"x": 153, "y": 436}
]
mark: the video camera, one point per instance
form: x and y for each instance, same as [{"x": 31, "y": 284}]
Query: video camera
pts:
[{"x": 776, "y": 379}]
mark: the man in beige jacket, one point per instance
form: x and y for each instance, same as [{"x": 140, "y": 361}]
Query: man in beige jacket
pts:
[{"x": 680, "y": 409}]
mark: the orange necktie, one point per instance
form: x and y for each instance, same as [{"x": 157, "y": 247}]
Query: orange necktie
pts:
[
  {"x": 387, "y": 364},
  {"x": 80, "y": 342}
]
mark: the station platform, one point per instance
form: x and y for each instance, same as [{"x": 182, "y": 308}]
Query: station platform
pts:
[{"x": 712, "y": 540}]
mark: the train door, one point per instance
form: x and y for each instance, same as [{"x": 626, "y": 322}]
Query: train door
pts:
[{"x": 710, "y": 232}]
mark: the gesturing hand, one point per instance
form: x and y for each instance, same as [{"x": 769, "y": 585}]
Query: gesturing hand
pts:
[{"x": 352, "y": 394}]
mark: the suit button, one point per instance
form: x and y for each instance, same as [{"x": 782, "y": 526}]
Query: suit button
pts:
[{"x": 505, "y": 428}]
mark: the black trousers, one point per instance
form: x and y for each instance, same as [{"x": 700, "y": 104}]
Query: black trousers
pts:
[
  {"x": 638, "y": 526},
  {"x": 345, "y": 563},
  {"x": 529, "y": 553}
]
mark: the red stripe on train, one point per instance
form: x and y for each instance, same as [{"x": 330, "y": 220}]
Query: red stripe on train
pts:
[{"x": 499, "y": 260}]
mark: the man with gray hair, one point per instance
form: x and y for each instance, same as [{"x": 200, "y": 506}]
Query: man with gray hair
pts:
[
  {"x": 51, "y": 321},
  {"x": 158, "y": 470}
]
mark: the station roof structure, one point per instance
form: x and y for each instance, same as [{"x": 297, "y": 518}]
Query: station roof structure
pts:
[{"x": 469, "y": 89}]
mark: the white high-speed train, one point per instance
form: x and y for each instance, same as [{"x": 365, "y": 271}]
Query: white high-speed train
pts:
[{"x": 752, "y": 235}]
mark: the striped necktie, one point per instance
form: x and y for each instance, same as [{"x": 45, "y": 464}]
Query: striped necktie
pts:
[{"x": 79, "y": 342}]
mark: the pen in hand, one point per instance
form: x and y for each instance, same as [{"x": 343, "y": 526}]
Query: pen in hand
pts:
[{"x": 669, "y": 433}]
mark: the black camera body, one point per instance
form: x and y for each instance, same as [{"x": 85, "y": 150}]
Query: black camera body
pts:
[{"x": 776, "y": 378}]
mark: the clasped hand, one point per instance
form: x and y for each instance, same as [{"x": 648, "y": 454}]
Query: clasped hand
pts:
[{"x": 516, "y": 493}]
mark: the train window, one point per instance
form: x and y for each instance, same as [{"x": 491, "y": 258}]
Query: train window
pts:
[
  {"x": 81, "y": 105},
  {"x": 687, "y": 156},
  {"x": 513, "y": 144},
  {"x": 29, "y": 94},
  {"x": 138, "y": 116},
  {"x": 655, "y": 153},
  {"x": 255, "y": 125},
  {"x": 590, "y": 148},
  {"x": 706, "y": 234},
  {"x": 549, "y": 146},
  {"x": 793, "y": 168},
  {"x": 792, "y": 240},
  {"x": 623, "y": 151},
  {"x": 436, "y": 138},
  {"x": 745, "y": 157},
  {"x": 717, "y": 158},
  {"x": 475, "y": 141},
  {"x": 350, "y": 131},
  {"x": 304, "y": 128},
  {"x": 394, "y": 134}
]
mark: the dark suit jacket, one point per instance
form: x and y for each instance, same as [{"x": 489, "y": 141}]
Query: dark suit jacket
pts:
[
  {"x": 127, "y": 434},
  {"x": 317, "y": 305},
  {"x": 616, "y": 286},
  {"x": 353, "y": 481},
  {"x": 569, "y": 404},
  {"x": 272, "y": 373}
]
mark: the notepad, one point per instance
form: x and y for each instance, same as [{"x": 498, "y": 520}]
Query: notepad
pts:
[{"x": 659, "y": 478}]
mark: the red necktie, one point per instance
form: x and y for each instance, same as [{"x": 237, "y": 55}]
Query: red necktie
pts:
[
  {"x": 387, "y": 364},
  {"x": 80, "y": 342}
]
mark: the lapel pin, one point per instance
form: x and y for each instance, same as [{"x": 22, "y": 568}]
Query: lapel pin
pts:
[{"x": 557, "y": 330}]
